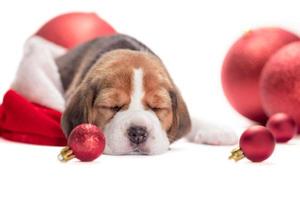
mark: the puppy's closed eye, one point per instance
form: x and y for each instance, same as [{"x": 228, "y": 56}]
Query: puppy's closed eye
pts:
[
  {"x": 113, "y": 108},
  {"x": 158, "y": 100},
  {"x": 116, "y": 108},
  {"x": 155, "y": 109},
  {"x": 112, "y": 100},
  {"x": 158, "y": 108}
]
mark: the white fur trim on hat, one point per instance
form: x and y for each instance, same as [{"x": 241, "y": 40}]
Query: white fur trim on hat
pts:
[{"x": 37, "y": 78}]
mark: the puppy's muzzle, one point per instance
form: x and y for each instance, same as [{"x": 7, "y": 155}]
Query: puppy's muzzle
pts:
[{"x": 137, "y": 134}]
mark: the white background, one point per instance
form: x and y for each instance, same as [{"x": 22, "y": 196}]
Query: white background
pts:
[{"x": 192, "y": 38}]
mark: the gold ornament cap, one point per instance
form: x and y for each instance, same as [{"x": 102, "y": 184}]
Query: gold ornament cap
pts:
[
  {"x": 236, "y": 154},
  {"x": 65, "y": 154}
]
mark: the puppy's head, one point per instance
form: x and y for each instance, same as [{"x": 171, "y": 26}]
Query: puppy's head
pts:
[{"x": 131, "y": 97}]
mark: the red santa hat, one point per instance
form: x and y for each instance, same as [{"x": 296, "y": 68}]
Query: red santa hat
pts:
[{"x": 31, "y": 109}]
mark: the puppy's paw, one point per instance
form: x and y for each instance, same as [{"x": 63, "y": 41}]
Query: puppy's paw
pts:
[
  {"x": 214, "y": 134},
  {"x": 217, "y": 137}
]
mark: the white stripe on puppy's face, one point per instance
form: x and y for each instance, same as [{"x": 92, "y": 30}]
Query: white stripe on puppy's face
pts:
[
  {"x": 136, "y": 130},
  {"x": 138, "y": 91}
]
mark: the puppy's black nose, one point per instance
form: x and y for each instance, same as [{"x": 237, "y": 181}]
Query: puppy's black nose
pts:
[{"x": 137, "y": 134}]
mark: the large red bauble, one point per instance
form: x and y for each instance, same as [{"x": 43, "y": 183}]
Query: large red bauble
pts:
[
  {"x": 71, "y": 29},
  {"x": 242, "y": 68},
  {"x": 280, "y": 82},
  {"x": 257, "y": 143},
  {"x": 87, "y": 142},
  {"x": 282, "y": 126}
]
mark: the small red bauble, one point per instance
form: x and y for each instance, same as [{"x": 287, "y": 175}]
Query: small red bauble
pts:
[
  {"x": 86, "y": 142},
  {"x": 71, "y": 29},
  {"x": 282, "y": 126},
  {"x": 257, "y": 143},
  {"x": 243, "y": 65},
  {"x": 280, "y": 82}
]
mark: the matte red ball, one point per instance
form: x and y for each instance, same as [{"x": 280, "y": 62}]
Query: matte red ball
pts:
[
  {"x": 71, "y": 29},
  {"x": 257, "y": 143},
  {"x": 87, "y": 142},
  {"x": 243, "y": 65},
  {"x": 282, "y": 126},
  {"x": 280, "y": 82}
]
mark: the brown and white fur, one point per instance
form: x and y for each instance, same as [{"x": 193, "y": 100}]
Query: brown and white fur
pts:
[{"x": 118, "y": 84}]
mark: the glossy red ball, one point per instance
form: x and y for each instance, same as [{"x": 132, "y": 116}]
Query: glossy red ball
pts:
[
  {"x": 87, "y": 142},
  {"x": 257, "y": 143},
  {"x": 282, "y": 126},
  {"x": 71, "y": 29},
  {"x": 280, "y": 82},
  {"x": 243, "y": 65}
]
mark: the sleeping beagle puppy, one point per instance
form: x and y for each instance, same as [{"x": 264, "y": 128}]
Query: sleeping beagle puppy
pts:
[{"x": 121, "y": 86}]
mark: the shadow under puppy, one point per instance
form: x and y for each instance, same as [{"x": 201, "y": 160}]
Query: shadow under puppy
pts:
[{"x": 120, "y": 85}]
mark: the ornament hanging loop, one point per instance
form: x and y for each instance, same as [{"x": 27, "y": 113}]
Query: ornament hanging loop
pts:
[
  {"x": 65, "y": 154},
  {"x": 236, "y": 154}
]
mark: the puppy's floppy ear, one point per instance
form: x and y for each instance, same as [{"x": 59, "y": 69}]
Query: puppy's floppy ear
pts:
[
  {"x": 79, "y": 108},
  {"x": 181, "y": 124}
]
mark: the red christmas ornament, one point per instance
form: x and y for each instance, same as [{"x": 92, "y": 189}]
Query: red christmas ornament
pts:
[
  {"x": 282, "y": 126},
  {"x": 71, "y": 29},
  {"x": 257, "y": 144},
  {"x": 280, "y": 83},
  {"x": 86, "y": 142},
  {"x": 243, "y": 65}
]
